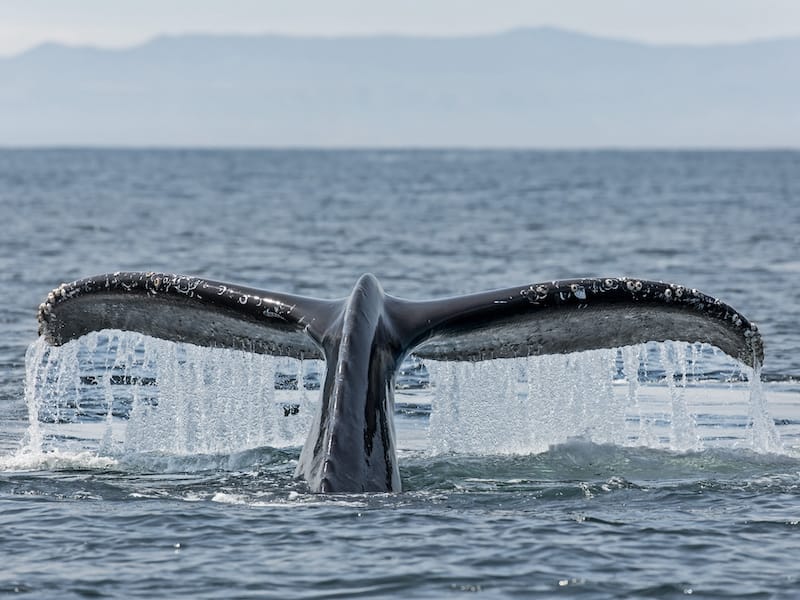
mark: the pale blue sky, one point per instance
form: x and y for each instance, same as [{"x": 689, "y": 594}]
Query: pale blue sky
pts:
[{"x": 26, "y": 23}]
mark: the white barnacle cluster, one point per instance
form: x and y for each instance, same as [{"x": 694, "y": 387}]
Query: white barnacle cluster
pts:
[
  {"x": 578, "y": 291},
  {"x": 118, "y": 281},
  {"x": 633, "y": 285},
  {"x": 62, "y": 292},
  {"x": 674, "y": 292},
  {"x": 610, "y": 283},
  {"x": 535, "y": 293},
  {"x": 45, "y": 308}
]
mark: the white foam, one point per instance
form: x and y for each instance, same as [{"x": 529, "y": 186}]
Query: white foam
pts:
[{"x": 55, "y": 460}]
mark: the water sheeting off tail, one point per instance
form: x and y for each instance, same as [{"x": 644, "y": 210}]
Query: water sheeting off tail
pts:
[
  {"x": 125, "y": 395},
  {"x": 119, "y": 393},
  {"x": 645, "y": 395}
]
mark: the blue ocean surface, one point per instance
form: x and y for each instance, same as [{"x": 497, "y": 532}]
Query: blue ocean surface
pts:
[{"x": 132, "y": 467}]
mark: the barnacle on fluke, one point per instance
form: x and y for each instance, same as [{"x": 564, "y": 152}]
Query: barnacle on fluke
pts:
[{"x": 365, "y": 336}]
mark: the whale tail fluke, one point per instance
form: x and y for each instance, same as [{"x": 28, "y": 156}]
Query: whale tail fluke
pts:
[
  {"x": 363, "y": 338},
  {"x": 546, "y": 318}
]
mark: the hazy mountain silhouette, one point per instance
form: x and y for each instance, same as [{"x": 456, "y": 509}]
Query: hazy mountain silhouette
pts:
[{"x": 535, "y": 87}]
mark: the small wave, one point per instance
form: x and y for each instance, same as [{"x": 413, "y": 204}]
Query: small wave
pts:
[
  {"x": 600, "y": 468},
  {"x": 254, "y": 458}
]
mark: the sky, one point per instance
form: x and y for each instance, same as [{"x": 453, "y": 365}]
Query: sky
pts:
[{"x": 118, "y": 23}]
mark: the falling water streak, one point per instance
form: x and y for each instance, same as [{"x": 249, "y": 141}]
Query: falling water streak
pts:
[
  {"x": 631, "y": 360},
  {"x": 478, "y": 407},
  {"x": 178, "y": 399},
  {"x": 696, "y": 352},
  {"x": 683, "y": 429},
  {"x": 576, "y": 395},
  {"x": 764, "y": 437},
  {"x": 182, "y": 399},
  {"x": 33, "y": 360},
  {"x": 106, "y": 441},
  {"x": 444, "y": 414}
]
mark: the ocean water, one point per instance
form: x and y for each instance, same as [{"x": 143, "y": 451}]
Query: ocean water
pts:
[{"x": 132, "y": 467}]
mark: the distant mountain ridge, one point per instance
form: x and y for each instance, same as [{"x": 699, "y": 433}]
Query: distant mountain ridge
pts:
[{"x": 524, "y": 88}]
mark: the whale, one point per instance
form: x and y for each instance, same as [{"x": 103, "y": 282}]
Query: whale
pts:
[{"x": 364, "y": 337}]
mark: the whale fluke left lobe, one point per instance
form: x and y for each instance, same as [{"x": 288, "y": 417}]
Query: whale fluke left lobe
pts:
[{"x": 185, "y": 309}]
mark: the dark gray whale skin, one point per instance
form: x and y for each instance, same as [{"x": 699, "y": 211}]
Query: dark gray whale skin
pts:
[{"x": 364, "y": 338}]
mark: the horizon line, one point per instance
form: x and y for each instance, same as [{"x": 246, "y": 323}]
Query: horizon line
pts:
[{"x": 389, "y": 148}]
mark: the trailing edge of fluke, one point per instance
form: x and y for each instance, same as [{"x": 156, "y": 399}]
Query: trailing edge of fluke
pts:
[{"x": 365, "y": 336}]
